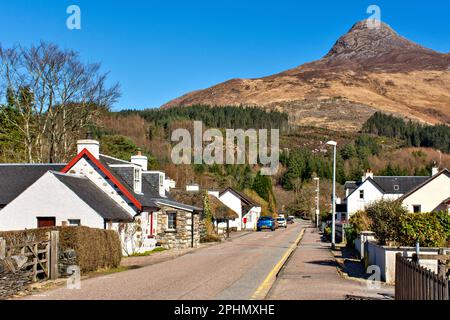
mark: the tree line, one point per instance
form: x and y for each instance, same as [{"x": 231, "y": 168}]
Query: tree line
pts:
[
  {"x": 412, "y": 133},
  {"x": 230, "y": 117}
]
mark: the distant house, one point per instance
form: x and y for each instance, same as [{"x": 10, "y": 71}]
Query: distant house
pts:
[
  {"x": 372, "y": 188},
  {"x": 121, "y": 195},
  {"x": 432, "y": 195},
  {"x": 248, "y": 211}
]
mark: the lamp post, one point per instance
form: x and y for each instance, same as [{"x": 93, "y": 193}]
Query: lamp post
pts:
[
  {"x": 317, "y": 203},
  {"x": 333, "y": 205}
]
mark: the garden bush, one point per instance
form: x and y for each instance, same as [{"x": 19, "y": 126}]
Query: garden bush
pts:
[
  {"x": 360, "y": 221},
  {"x": 384, "y": 218},
  {"x": 423, "y": 227}
]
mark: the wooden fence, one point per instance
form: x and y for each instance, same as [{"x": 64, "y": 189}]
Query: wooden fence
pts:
[
  {"x": 40, "y": 258},
  {"x": 414, "y": 282}
]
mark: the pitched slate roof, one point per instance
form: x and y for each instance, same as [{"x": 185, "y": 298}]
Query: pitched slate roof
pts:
[
  {"x": 15, "y": 178},
  {"x": 404, "y": 184},
  {"x": 175, "y": 204},
  {"x": 125, "y": 175},
  {"x": 150, "y": 196},
  {"x": 93, "y": 196},
  {"x": 389, "y": 185}
]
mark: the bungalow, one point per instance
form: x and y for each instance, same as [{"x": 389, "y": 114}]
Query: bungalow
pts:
[
  {"x": 121, "y": 195},
  {"x": 247, "y": 210},
  {"x": 433, "y": 195}
]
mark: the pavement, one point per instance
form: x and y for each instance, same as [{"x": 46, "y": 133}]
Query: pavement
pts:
[
  {"x": 312, "y": 273},
  {"x": 234, "y": 269}
]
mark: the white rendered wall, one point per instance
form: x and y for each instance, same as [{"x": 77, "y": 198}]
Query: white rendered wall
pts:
[{"x": 47, "y": 197}]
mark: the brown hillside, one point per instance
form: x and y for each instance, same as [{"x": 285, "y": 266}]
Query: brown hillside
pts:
[{"x": 365, "y": 71}]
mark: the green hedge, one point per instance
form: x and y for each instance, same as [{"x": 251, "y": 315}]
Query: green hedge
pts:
[
  {"x": 393, "y": 224},
  {"x": 95, "y": 248}
]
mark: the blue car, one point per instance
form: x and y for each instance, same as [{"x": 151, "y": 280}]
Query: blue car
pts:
[{"x": 266, "y": 223}]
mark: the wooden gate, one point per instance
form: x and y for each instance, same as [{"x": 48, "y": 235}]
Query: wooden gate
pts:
[
  {"x": 414, "y": 282},
  {"x": 39, "y": 258}
]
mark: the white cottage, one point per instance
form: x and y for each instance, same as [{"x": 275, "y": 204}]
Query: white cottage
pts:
[
  {"x": 248, "y": 211},
  {"x": 98, "y": 191}
]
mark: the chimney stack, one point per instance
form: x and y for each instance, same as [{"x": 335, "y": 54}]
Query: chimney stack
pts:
[
  {"x": 367, "y": 175},
  {"x": 140, "y": 160},
  {"x": 91, "y": 145},
  {"x": 434, "y": 169}
]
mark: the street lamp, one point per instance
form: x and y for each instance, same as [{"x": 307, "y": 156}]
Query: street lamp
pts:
[
  {"x": 333, "y": 222},
  {"x": 317, "y": 203}
]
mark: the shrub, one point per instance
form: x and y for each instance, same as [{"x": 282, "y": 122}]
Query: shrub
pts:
[
  {"x": 95, "y": 248},
  {"x": 444, "y": 219},
  {"x": 327, "y": 233},
  {"x": 210, "y": 238},
  {"x": 384, "y": 218},
  {"x": 424, "y": 227},
  {"x": 360, "y": 221},
  {"x": 350, "y": 235}
]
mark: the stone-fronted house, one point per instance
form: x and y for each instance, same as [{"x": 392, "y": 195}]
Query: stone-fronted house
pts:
[{"x": 123, "y": 195}]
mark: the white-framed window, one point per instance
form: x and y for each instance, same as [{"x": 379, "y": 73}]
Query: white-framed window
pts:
[
  {"x": 74, "y": 222},
  {"x": 361, "y": 194},
  {"x": 171, "y": 221},
  {"x": 417, "y": 208},
  {"x": 396, "y": 187}
]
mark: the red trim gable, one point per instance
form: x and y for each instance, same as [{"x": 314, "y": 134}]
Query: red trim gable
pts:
[{"x": 89, "y": 155}]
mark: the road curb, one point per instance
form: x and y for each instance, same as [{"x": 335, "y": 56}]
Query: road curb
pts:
[{"x": 264, "y": 288}]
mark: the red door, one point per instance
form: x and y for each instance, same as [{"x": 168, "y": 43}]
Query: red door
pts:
[{"x": 43, "y": 222}]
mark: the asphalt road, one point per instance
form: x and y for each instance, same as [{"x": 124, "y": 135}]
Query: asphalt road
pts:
[{"x": 230, "y": 270}]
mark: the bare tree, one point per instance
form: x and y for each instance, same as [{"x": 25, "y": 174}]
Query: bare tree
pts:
[{"x": 56, "y": 96}]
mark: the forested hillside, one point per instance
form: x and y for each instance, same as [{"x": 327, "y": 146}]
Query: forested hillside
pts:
[{"x": 414, "y": 134}]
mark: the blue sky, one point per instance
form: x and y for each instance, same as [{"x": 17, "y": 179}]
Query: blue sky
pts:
[{"x": 159, "y": 50}]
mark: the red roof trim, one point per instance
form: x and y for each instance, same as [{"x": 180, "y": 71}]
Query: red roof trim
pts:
[{"x": 89, "y": 155}]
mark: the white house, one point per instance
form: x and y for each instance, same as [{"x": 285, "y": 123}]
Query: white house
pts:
[
  {"x": 431, "y": 196},
  {"x": 372, "y": 188},
  {"x": 247, "y": 210},
  {"x": 52, "y": 200},
  {"x": 98, "y": 191}
]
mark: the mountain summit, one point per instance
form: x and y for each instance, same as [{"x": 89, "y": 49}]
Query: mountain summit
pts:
[
  {"x": 381, "y": 46},
  {"x": 367, "y": 70}
]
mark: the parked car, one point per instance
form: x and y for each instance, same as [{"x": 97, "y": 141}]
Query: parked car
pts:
[
  {"x": 266, "y": 223},
  {"x": 290, "y": 220},
  {"x": 282, "y": 222}
]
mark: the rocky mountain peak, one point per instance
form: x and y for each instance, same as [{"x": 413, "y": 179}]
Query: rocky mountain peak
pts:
[{"x": 367, "y": 40}]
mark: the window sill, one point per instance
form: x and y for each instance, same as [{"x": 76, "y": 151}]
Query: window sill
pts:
[{"x": 170, "y": 231}]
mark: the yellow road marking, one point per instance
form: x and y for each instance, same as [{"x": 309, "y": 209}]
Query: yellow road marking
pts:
[{"x": 265, "y": 286}]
